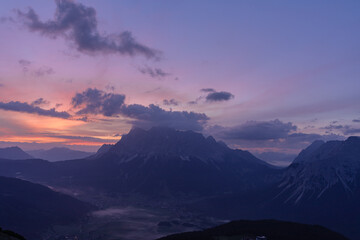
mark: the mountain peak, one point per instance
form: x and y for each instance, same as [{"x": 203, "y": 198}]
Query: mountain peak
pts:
[
  {"x": 353, "y": 139},
  {"x": 14, "y": 153},
  {"x": 166, "y": 141},
  {"x": 306, "y": 154},
  {"x": 323, "y": 165}
]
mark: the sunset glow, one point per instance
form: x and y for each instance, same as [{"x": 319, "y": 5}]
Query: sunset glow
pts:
[{"x": 229, "y": 77}]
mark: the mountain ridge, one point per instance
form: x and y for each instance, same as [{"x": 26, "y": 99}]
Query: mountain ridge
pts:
[
  {"x": 59, "y": 154},
  {"x": 14, "y": 153}
]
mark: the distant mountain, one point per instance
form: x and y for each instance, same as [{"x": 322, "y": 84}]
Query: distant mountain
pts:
[
  {"x": 158, "y": 162},
  {"x": 277, "y": 158},
  {"x": 30, "y": 209},
  {"x": 59, "y": 154},
  {"x": 270, "y": 229},
  {"x": 14, "y": 153}
]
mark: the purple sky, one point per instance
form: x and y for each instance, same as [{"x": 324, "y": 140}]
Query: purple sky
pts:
[{"x": 259, "y": 75}]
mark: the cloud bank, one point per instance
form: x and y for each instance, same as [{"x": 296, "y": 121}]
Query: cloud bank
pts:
[
  {"x": 171, "y": 102},
  {"x": 98, "y": 102},
  {"x": 345, "y": 129},
  {"x": 153, "y": 72},
  {"x": 94, "y": 101},
  {"x": 213, "y": 96},
  {"x": 77, "y": 23},
  {"x": 153, "y": 115},
  {"x": 24, "y": 107},
  {"x": 257, "y": 130},
  {"x": 219, "y": 96}
]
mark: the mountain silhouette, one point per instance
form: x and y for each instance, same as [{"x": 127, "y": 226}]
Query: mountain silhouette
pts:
[
  {"x": 30, "y": 209},
  {"x": 59, "y": 154},
  {"x": 14, "y": 153}
]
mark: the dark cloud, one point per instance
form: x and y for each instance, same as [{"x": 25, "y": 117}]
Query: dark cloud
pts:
[
  {"x": 351, "y": 131},
  {"x": 356, "y": 120},
  {"x": 196, "y": 101},
  {"x": 2, "y": 85},
  {"x": 345, "y": 129},
  {"x": 153, "y": 72},
  {"x": 257, "y": 130},
  {"x": 39, "y": 72},
  {"x": 77, "y": 23},
  {"x": 171, "y": 102},
  {"x": 153, "y": 90},
  {"x": 28, "y": 108},
  {"x": 39, "y": 102},
  {"x": 83, "y": 119},
  {"x": 282, "y": 140},
  {"x": 6, "y": 19},
  {"x": 153, "y": 115},
  {"x": 332, "y": 127},
  {"x": 110, "y": 87},
  {"x": 213, "y": 96},
  {"x": 310, "y": 137},
  {"x": 207, "y": 90},
  {"x": 25, "y": 65},
  {"x": 94, "y": 101},
  {"x": 43, "y": 71},
  {"x": 219, "y": 96}
]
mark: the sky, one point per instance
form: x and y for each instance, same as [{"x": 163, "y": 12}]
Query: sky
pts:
[{"x": 259, "y": 75}]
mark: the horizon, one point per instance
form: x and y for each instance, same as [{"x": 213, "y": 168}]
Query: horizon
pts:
[
  {"x": 154, "y": 120},
  {"x": 273, "y": 158},
  {"x": 262, "y": 77}
]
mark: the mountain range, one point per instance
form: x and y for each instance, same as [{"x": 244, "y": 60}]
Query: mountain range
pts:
[
  {"x": 14, "y": 153},
  {"x": 58, "y": 154},
  {"x": 159, "y": 162},
  {"x": 321, "y": 186},
  {"x": 53, "y": 154}
]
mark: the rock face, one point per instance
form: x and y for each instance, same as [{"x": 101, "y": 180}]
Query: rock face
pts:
[
  {"x": 14, "y": 153},
  {"x": 323, "y": 186},
  {"x": 165, "y": 161},
  {"x": 323, "y": 167},
  {"x": 30, "y": 209},
  {"x": 103, "y": 149}
]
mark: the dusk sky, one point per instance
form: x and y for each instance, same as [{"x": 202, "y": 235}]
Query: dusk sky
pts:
[{"x": 258, "y": 75}]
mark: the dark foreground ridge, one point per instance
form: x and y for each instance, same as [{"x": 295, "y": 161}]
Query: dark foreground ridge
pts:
[
  {"x": 271, "y": 229},
  {"x": 10, "y": 235},
  {"x": 30, "y": 209}
]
